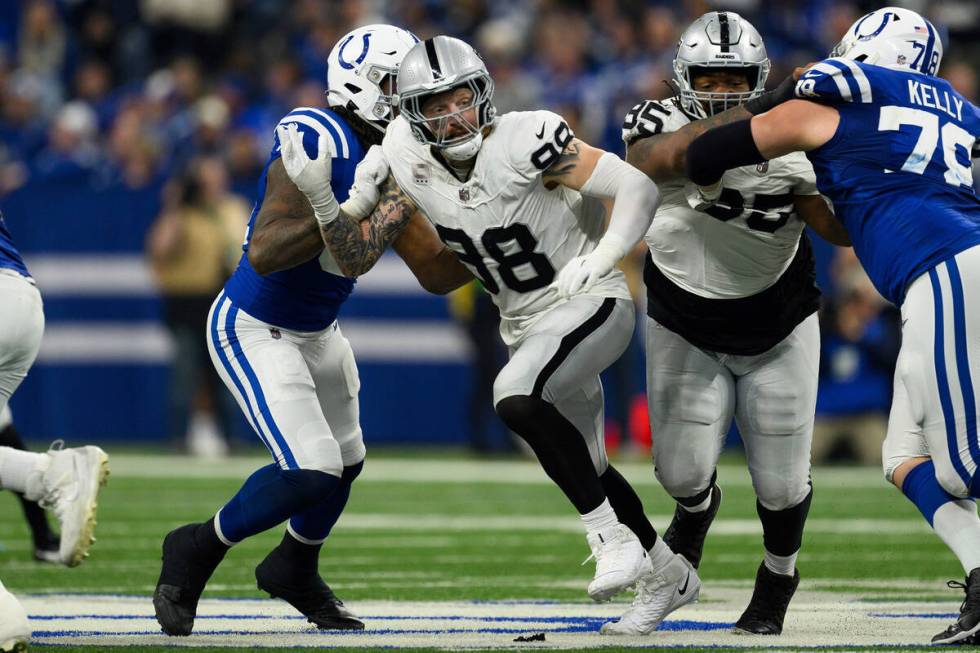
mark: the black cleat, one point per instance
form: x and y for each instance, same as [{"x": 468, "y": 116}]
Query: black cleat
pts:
[
  {"x": 964, "y": 630},
  {"x": 185, "y": 571},
  {"x": 687, "y": 530},
  {"x": 306, "y": 592},
  {"x": 770, "y": 599}
]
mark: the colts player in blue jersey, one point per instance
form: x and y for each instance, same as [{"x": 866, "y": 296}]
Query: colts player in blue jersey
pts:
[
  {"x": 275, "y": 341},
  {"x": 891, "y": 146}
]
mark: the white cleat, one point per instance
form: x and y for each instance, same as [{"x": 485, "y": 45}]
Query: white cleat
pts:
[
  {"x": 620, "y": 561},
  {"x": 15, "y": 632},
  {"x": 71, "y": 489},
  {"x": 658, "y": 594}
]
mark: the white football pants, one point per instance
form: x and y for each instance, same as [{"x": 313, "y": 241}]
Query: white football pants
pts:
[
  {"x": 559, "y": 359},
  {"x": 21, "y": 328},
  {"x": 693, "y": 395},
  {"x": 934, "y": 407},
  {"x": 298, "y": 390}
]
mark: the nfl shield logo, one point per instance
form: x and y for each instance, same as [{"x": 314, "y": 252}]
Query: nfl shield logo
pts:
[
  {"x": 762, "y": 168},
  {"x": 464, "y": 194}
]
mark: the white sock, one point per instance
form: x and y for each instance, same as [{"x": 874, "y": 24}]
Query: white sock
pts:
[
  {"x": 660, "y": 554},
  {"x": 21, "y": 471},
  {"x": 701, "y": 507},
  {"x": 600, "y": 519},
  {"x": 957, "y": 524},
  {"x": 782, "y": 565}
]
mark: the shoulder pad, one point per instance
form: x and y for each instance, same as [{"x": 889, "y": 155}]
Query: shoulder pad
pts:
[
  {"x": 535, "y": 139},
  {"x": 652, "y": 117},
  {"x": 312, "y": 123},
  {"x": 834, "y": 81}
]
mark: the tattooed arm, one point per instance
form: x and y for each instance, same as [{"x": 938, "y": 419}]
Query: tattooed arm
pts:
[
  {"x": 285, "y": 234},
  {"x": 662, "y": 157},
  {"x": 357, "y": 245}
]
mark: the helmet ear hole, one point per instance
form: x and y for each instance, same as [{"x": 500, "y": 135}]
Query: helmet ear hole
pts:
[{"x": 352, "y": 88}]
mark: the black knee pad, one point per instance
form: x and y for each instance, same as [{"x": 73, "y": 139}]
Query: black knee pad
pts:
[
  {"x": 351, "y": 472},
  {"x": 312, "y": 485},
  {"x": 782, "y": 530},
  {"x": 519, "y": 412}
]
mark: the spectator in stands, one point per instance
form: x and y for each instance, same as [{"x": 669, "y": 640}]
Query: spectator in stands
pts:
[
  {"x": 192, "y": 247},
  {"x": 860, "y": 338}
]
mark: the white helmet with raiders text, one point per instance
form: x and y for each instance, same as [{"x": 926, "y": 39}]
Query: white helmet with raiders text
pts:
[
  {"x": 435, "y": 66},
  {"x": 893, "y": 38},
  {"x": 719, "y": 40},
  {"x": 362, "y": 70}
]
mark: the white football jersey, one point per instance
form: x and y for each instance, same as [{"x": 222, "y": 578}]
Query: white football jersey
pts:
[
  {"x": 505, "y": 226},
  {"x": 729, "y": 252}
]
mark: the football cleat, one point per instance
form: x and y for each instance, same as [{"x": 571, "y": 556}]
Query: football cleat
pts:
[
  {"x": 71, "y": 487},
  {"x": 770, "y": 599},
  {"x": 658, "y": 593},
  {"x": 965, "y": 629},
  {"x": 306, "y": 592},
  {"x": 185, "y": 571},
  {"x": 15, "y": 631},
  {"x": 687, "y": 530},
  {"x": 620, "y": 561},
  {"x": 48, "y": 552}
]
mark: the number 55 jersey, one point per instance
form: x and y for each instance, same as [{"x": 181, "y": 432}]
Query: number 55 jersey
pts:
[
  {"x": 898, "y": 168},
  {"x": 504, "y": 225},
  {"x": 738, "y": 278}
]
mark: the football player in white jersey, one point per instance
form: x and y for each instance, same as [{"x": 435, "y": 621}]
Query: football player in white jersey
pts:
[
  {"x": 518, "y": 198},
  {"x": 732, "y": 328}
]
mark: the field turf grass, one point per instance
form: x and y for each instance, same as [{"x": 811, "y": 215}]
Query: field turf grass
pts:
[{"x": 421, "y": 528}]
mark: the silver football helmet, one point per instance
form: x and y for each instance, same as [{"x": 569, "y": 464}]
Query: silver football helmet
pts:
[
  {"x": 361, "y": 69},
  {"x": 719, "y": 40},
  {"x": 435, "y": 66}
]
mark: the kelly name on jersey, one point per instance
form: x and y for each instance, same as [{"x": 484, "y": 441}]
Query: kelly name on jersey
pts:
[{"x": 904, "y": 139}]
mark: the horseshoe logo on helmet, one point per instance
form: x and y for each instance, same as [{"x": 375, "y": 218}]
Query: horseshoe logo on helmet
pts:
[{"x": 365, "y": 40}]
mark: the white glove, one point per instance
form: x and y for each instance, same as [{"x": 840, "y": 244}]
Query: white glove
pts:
[
  {"x": 311, "y": 176},
  {"x": 582, "y": 272},
  {"x": 700, "y": 198},
  {"x": 371, "y": 172}
]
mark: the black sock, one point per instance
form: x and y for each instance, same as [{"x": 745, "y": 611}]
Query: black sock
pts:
[
  {"x": 37, "y": 520},
  {"x": 207, "y": 540},
  {"x": 628, "y": 507},
  {"x": 559, "y": 446},
  {"x": 302, "y": 557},
  {"x": 782, "y": 530}
]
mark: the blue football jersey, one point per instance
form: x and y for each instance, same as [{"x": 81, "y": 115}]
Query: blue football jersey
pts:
[
  {"x": 898, "y": 168},
  {"x": 306, "y": 297},
  {"x": 9, "y": 256}
]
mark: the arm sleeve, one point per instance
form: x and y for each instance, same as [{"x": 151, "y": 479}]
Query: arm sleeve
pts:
[
  {"x": 635, "y": 200},
  {"x": 834, "y": 81},
  {"x": 720, "y": 149}
]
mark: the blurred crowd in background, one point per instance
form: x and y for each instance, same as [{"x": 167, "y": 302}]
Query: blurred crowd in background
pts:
[{"x": 181, "y": 97}]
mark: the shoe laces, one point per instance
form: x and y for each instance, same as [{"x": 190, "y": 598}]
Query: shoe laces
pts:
[
  {"x": 972, "y": 591},
  {"x": 601, "y": 547}
]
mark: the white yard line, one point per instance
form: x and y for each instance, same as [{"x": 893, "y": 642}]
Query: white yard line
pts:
[{"x": 815, "y": 620}]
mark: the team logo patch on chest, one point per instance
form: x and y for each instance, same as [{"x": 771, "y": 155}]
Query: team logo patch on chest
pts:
[{"x": 464, "y": 194}]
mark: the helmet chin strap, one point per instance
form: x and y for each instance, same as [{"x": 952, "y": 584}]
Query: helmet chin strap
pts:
[{"x": 465, "y": 150}]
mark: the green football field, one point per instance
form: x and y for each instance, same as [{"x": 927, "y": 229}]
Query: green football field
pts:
[{"x": 454, "y": 552}]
